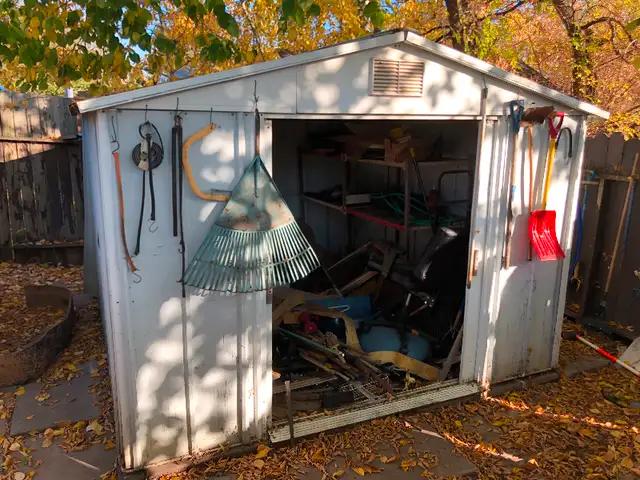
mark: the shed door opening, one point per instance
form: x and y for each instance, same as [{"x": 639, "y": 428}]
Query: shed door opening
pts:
[{"x": 386, "y": 205}]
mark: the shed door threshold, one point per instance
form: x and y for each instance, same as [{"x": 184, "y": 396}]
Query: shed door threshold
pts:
[{"x": 429, "y": 395}]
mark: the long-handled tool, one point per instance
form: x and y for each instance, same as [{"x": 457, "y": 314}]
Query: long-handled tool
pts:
[
  {"x": 601, "y": 351},
  {"x": 516, "y": 110},
  {"x": 542, "y": 223},
  {"x": 116, "y": 163},
  {"x": 255, "y": 243},
  {"x": 530, "y": 158},
  {"x": 530, "y": 117}
]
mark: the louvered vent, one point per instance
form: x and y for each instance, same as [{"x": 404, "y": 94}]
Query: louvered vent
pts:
[{"x": 397, "y": 78}]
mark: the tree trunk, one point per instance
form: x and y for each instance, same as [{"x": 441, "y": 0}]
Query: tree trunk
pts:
[
  {"x": 583, "y": 78},
  {"x": 456, "y": 23}
]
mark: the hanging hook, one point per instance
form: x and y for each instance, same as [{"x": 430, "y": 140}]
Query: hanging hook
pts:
[
  {"x": 146, "y": 109},
  {"x": 177, "y": 104},
  {"x": 211, "y": 116},
  {"x": 137, "y": 278},
  {"x": 153, "y": 226},
  {"x": 114, "y": 137},
  {"x": 255, "y": 94}
]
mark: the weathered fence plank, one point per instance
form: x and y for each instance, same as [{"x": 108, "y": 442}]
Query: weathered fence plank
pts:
[
  {"x": 586, "y": 294},
  {"x": 40, "y": 167}
]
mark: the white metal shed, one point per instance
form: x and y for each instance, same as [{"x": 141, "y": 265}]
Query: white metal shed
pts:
[{"x": 188, "y": 377}]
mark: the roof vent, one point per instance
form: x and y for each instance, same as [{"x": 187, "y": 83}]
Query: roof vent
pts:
[{"x": 397, "y": 78}]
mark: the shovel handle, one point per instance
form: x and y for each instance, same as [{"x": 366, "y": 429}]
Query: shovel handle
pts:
[
  {"x": 555, "y": 125},
  {"x": 516, "y": 110}
]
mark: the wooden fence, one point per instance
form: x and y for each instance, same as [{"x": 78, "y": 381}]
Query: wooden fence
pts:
[
  {"x": 41, "y": 205},
  {"x": 608, "y": 164}
]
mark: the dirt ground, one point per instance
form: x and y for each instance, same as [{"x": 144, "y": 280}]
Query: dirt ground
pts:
[{"x": 584, "y": 427}]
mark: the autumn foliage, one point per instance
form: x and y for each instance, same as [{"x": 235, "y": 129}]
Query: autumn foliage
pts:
[{"x": 587, "y": 48}]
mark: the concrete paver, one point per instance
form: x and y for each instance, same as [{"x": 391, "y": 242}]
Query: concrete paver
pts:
[{"x": 69, "y": 402}]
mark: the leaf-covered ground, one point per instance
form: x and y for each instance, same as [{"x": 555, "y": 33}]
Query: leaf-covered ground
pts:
[
  {"x": 87, "y": 344},
  {"x": 19, "y": 324},
  {"x": 586, "y": 427}
]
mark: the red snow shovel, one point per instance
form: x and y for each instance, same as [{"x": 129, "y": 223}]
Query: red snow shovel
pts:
[{"x": 542, "y": 223}]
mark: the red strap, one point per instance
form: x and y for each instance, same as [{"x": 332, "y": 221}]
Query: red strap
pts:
[{"x": 554, "y": 128}]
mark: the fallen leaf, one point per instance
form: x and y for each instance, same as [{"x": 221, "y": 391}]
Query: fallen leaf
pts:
[
  {"x": 258, "y": 463},
  {"x": 337, "y": 474},
  {"x": 262, "y": 452},
  {"x": 384, "y": 459},
  {"x": 585, "y": 432},
  {"x": 14, "y": 447},
  {"x": 95, "y": 427},
  {"x": 30, "y": 417},
  {"x": 407, "y": 464},
  {"x": 47, "y": 442},
  {"x": 627, "y": 463},
  {"x": 19, "y": 476},
  {"x": 20, "y": 391},
  {"x": 358, "y": 470},
  {"x": 42, "y": 396},
  {"x": 317, "y": 456}
]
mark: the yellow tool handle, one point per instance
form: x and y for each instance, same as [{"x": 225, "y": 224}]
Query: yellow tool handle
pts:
[
  {"x": 199, "y": 135},
  {"x": 551, "y": 155}
]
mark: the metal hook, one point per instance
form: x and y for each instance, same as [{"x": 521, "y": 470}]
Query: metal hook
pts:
[
  {"x": 177, "y": 104},
  {"x": 114, "y": 138},
  {"x": 137, "y": 278},
  {"x": 153, "y": 226},
  {"x": 146, "y": 109},
  {"x": 255, "y": 94},
  {"x": 211, "y": 116}
]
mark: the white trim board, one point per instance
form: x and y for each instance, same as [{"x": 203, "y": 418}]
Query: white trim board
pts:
[{"x": 375, "y": 41}]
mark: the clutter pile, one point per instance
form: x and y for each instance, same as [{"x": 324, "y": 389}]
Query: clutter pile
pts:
[{"x": 391, "y": 327}]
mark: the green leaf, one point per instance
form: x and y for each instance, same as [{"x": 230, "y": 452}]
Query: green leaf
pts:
[
  {"x": 218, "y": 50},
  {"x": 73, "y": 17},
  {"x": 164, "y": 44},
  {"x": 313, "y": 10},
  {"x": 632, "y": 25},
  {"x": 226, "y": 21},
  {"x": 374, "y": 13}
]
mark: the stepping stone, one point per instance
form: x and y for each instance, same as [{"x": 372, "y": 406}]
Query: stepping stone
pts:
[
  {"x": 56, "y": 464},
  {"x": 585, "y": 364},
  {"x": 69, "y": 402}
]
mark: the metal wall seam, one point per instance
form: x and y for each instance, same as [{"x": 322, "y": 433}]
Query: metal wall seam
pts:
[
  {"x": 113, "y": 279},
  {"x": 497, "y": 194},
  {"x": 567, "y": 235}
]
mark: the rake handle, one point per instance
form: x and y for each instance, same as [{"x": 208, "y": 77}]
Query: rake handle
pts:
[{"x": 600, "y": 351}]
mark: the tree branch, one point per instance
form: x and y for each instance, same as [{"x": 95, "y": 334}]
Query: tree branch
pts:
[{"x": 500, "y": 12}]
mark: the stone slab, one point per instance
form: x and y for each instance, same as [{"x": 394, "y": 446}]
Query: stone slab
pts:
[
  {"x": 69, "y": 402},
  {"x": 53, "y": 463},
  {"x": 584, "y": 364}
]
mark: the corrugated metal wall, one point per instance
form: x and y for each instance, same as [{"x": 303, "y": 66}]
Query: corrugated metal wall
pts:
[{"x": 40, "y": 175}]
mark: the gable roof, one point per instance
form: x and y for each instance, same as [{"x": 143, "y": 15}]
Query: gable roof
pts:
[{"x": 384, "y": 39}]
